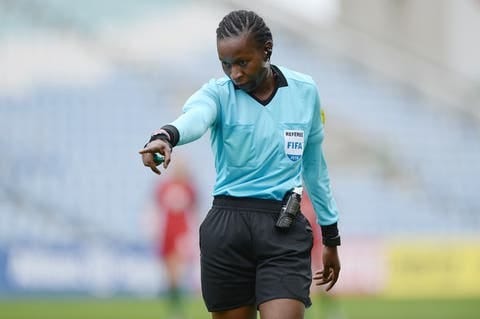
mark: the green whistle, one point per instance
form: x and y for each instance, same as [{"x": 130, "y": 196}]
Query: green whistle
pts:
[{"x": 158, "y": 159}]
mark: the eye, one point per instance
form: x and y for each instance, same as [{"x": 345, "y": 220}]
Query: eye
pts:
[
  {"x": 226, "y": 65},
  {"x": 242, "y": 63}
]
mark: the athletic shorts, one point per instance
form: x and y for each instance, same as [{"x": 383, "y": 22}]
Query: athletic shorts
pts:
[{"x": 246, "y": 260}]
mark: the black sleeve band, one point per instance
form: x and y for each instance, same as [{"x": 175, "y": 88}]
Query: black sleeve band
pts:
[
  {"x": 331, "y": 242},
  {"x": 330, "y": 235},
  {"x": 171, "y": 137},
  {"x": 161, "y": 136},
  {"x": 173, "y": 132}
]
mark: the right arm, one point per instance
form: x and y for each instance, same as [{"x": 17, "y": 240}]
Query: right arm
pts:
[{"x": 199, "y": 113}]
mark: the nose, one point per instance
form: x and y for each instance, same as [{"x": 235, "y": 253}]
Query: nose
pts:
[{"x": 235, "y": 73}]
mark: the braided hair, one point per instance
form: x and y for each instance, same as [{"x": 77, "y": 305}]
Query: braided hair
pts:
[{"x": 242, "y": 21}]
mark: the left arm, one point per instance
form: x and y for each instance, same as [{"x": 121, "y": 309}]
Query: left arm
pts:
[{"x": 317, "y": 182}]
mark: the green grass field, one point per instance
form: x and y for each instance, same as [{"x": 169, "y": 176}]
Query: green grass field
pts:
[{"x": 338, "y": 308}]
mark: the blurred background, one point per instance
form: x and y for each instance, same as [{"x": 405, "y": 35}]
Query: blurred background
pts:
[{"x": 84, "y": 83}]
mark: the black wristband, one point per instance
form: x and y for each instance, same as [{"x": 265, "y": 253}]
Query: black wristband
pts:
[
  {"x": 170, "y": 135},
  {"x": 330, "y": 235},
  {"x": 331, "y": 242},
  {"x": 173, "y": 132}
]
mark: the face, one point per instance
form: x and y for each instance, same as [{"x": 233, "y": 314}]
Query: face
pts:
[{"x": 243, "y": 61}]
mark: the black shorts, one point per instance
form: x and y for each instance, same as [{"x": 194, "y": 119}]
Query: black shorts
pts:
[{"x": 246, "y": 260}]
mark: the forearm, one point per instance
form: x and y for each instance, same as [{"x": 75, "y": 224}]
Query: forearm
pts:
[
  {"x": 317, "y": 182},
  {"x": 193, "y": 124}
]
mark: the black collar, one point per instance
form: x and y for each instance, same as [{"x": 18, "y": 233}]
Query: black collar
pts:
[
  {"x": 280, "y": 81},
  {"x": 280, "y": 78}
]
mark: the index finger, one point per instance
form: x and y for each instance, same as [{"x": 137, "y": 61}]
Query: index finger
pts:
[{"x": 145, "y": 150}]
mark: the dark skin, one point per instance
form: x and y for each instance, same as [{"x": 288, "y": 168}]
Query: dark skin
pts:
[{"x": 247, "y": 64}]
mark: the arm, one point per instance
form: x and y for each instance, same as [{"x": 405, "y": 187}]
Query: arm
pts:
[
  {"x": 318, "y": 187},
  {"x": 317, "y": 182},
  {"x": 199, "y": 113}
]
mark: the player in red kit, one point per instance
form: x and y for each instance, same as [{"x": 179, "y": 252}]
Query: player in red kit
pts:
[{"x": 175, "y": 200}]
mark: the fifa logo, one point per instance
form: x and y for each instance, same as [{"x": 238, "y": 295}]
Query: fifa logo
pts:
[
  {"x": 293, "y": 140},
  {"x": 294, "y": 145}
]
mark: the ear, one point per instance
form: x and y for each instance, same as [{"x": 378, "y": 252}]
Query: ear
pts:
[{"x": 268, "y": 50}]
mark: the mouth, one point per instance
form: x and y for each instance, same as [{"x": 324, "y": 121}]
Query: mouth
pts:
[
  {"x": 240, "y": 84},
  {"x": 243, "y": 85}
]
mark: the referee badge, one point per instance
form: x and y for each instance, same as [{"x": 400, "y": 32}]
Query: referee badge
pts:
[{"x": 294, "y": 143}]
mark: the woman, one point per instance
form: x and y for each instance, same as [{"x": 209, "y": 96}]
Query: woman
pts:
[{"x": 266, "y": 135}]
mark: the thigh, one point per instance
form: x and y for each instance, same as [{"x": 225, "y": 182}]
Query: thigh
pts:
[
  {"x": 247, "y": 312},
  {"x": 282, "y": 309},
  {"x": 227, "y": 261}
]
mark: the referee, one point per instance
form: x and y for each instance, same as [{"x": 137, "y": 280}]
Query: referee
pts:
[{"x": 266, "y": 134}]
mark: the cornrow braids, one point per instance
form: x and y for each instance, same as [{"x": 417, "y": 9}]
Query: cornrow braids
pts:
[{"x": 242, "y": 21}]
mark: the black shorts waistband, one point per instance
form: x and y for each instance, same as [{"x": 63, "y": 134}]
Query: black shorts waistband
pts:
[{"x": 247, "y": 203}]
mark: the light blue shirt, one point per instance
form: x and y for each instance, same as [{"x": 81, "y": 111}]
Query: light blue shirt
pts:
[{"x": 263, "y": 151}]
